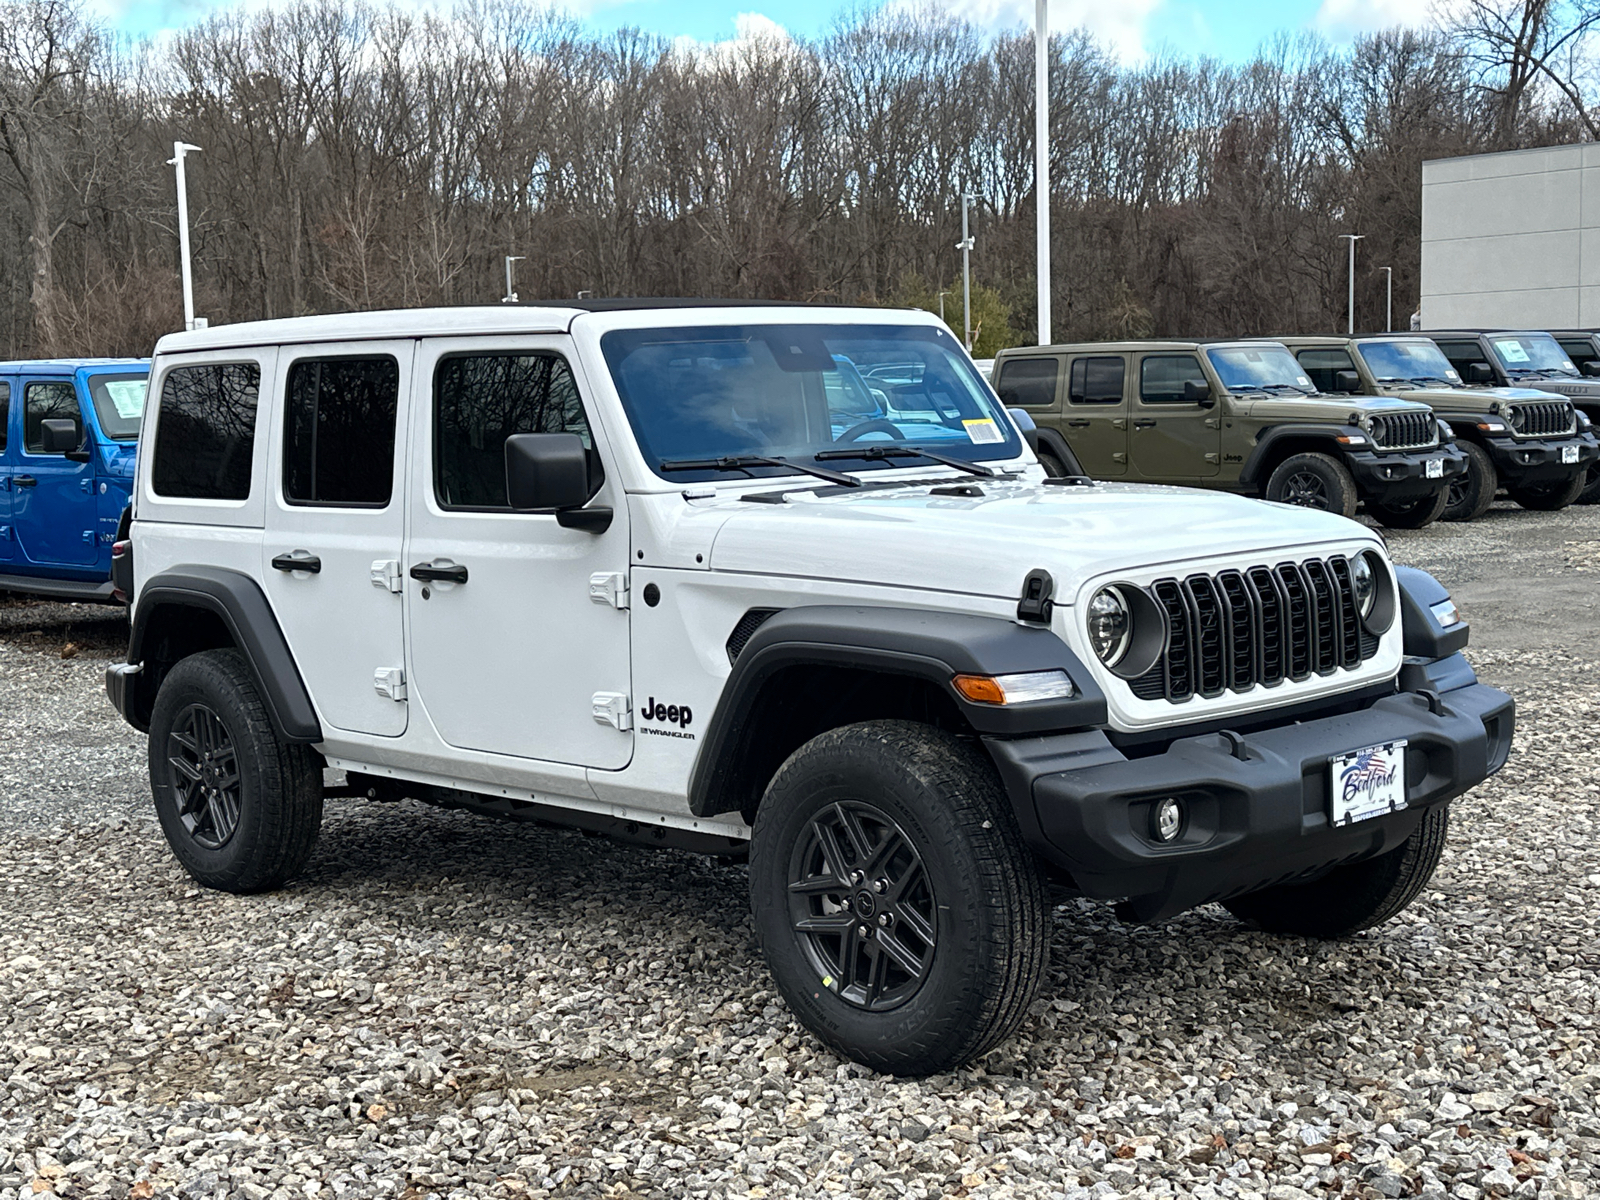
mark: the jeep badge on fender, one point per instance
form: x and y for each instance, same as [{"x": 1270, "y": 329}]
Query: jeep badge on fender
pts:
[{"x": 851, "y": 528}]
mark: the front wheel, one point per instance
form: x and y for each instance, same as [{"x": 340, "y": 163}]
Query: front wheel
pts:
[
  {"x": 1591, "y": 485},
  {"x": 240, "y": 809},
  {"x": 1472, "y": 492},
  {"x": 1410, "y": 514},
  {"x": 1549, "y": 497},
  {"x": 1351, "y": 898},
  {"x": 1317, "y": 481},
  {"x": 1052, "y": 465},
  {"x": 902, "y": 917}
]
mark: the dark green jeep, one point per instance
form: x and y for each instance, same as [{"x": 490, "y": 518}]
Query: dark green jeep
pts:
[
  {"x": 1238, "y": 416},
  {"x": 1528, "y": 442}
]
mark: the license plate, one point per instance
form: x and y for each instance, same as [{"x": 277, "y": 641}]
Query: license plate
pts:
[
  {"x": 1368, "y": 783},
  {"x": 1569, "y": 454},
  {"x": 1435, "y": 468}
]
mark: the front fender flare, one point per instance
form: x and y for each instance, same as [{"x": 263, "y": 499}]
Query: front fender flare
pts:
[{"x": 1273, "y": 435}]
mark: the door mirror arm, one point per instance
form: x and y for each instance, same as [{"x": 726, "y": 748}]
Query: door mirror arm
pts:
[{"x": 80, "y": 455}]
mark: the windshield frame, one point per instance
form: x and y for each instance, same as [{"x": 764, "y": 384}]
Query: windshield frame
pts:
[
  {"x": 1562, "y": 367},
  {"x": 111, "y": 422},
  {"x": 900, "y": 349},
  {"x": 1451, "y": 377},
  {"x": 1221, "y": 368}
]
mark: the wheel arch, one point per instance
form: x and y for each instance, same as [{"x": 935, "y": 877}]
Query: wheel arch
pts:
[
  {"x": 817, "y": 667},
  {"x": 1047, "y": 440},
  {"x": 189, "y": 609},
  {"x": 1278, "y": 443}
]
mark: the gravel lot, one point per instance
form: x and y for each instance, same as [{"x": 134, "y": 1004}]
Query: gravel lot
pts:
[{"x": 449, "y": 1005}]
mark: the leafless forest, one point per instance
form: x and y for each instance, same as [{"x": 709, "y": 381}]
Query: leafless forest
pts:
[{"x": 358, "y": 156}]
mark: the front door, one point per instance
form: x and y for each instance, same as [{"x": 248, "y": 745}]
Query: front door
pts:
[
  {"x": 335, "y": 527},
  {"x": 53, "y": 504},
  {"x": 1096, "y": 417},
  {"x": 1173, "y": 437},
  {"x": 515, "y": 642}
]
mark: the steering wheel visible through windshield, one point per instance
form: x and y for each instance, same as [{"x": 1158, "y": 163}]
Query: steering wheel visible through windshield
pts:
[
  {"x": 1259, "y": 369},
  {"x": 794, "y": 392}
]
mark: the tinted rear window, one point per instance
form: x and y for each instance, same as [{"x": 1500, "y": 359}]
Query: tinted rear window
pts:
[
  {"x": 206, "y": 432},
  {"x": 1030, "y": 382},
  {"x": 339, "y": 431}
]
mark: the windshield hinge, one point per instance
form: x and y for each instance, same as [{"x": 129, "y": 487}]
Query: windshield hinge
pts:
[
  {"x": 1036, "y": 603},
  {"x": 609, "y": 587}
]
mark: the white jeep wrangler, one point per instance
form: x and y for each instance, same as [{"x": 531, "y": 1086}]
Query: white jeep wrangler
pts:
[{"x": 784, "y": 580}]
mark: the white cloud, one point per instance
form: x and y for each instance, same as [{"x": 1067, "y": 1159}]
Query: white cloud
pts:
[
  {"x": 1120, "y": 24},
  {"x": 1341, "y": 20},
  {"x": 751, "y": 31}
]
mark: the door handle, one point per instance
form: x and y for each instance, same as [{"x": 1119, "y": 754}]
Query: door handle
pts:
[
  {"x": 1145, "y": 423},
  {"x": 426, "y": 572},
  {"x": 298, "y": 561},
  {"x": 1080, "y": 423},
  {"x": 23, "y": 481}
]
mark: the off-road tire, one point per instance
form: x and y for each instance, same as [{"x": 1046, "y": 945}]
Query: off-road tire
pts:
[
  {"x": 1591, "y": 485},
  {"x": 990, "y": 917},
  {"x": 278, "y": 804},
  {"x": 1351, "y": 898},
  {"x": 1052, "y": 465},
  {"x": 1550, "y": 497},
  {"x": 1337, "y": 485},
  {"x": 1413, "y": 515},
  {"x": 1471, "y": 497}
]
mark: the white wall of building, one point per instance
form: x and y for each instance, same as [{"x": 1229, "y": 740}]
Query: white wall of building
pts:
[{"x": 1512, "y": 239}]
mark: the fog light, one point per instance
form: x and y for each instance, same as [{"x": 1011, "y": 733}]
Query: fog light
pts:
[{"x": 1168, "y": 821}]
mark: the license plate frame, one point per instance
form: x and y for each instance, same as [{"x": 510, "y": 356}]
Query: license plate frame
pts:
[
  {"x": 1569, "y": 455},
  {"x": 1366, "y": 783},
  {"x": 1433, "y": 469}
]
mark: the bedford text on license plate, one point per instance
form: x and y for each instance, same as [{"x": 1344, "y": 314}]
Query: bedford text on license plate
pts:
[{"x": 1367, "y": 783}]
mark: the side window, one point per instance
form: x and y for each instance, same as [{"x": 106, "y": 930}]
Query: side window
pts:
[
  {"x": 1323, "y": 365},
  {"x": 1580, "y": 351},
  {"x": 5, "y": 414},
  {"x": 206, "y": 432},
  {"x": 1027, "y": 382},
  {"x": 41, "y": 402},
  {"x": 1463, "y": 354},
  {"x": 1096, "y": 380},
  {"x": 338, "y": 445},
  {"x": 479, "y": 400},
  {"x": 1162, "y": 376}
]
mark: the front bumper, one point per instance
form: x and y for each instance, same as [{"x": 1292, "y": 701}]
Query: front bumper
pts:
[
  {"x": 1252, "y": 821},
  {"x": 1539, "y": 460},
  {"x": 1387, "y": 476}
]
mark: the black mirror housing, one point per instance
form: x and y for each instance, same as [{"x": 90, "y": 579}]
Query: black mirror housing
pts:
[
  {"x": 1592, "y": 367},
  {"x": 1348, "y": 382},
  {"x": 59, "y": 435},
  {"x": 546, "y": 472},
  {"x": 1197, "y": 391},
  {"x": 1480, "y": 372}
]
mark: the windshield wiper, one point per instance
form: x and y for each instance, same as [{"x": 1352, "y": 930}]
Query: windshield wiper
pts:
[
  {"x": 1450, "y": 383},
  {"x": 1267, "y": 387},
  {"x": 743, "y": 462},
  {"x": 878, "y": 453}
]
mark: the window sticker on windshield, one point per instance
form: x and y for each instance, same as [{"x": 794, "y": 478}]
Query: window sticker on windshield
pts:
[
  {"x": 127, "y": 396},
  {"x": 983, "y": 431},
  {"x": 1303, "y": 380},
  {"x": 1567, "y": 366},
  {"x": 1511, "y": 350}
]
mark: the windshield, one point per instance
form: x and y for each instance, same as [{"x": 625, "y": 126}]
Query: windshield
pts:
[
  {"x": 119, "y": 403},
  {"x": 1521, "y": 353},
  {"x": 1259, "y": 368},
  {"x": 796, "y": 391},
  {"x": 1408, "y": 362}
]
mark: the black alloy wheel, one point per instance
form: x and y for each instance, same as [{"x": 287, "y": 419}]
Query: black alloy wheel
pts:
[
  {"x": 1457, "y": 493},
  {"x": 1307, "y": 490},
  {"x": 862, "y": 906},
  {"x": 206, "y": 777}
]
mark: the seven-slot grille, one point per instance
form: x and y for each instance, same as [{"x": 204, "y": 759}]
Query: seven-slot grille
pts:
[
  {"x": 1398, "y": 431},
  {"x": 1542, "y": 419},
  {"x": 1236, "y": 629}
]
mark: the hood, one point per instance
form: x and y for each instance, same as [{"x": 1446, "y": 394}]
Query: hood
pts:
[
  {"x": 1581, "y": 389},
  {"x": 986, "y": 545},
  {"x": 1470, "y": 399},
  {"x": 1323, "y": 408}
]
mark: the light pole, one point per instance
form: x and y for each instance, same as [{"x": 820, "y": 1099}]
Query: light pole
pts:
[
  {"x": 1388, "y": 299},
  {"x": 179, "y": 150},
  {"x": 1041, "y": 157},
  {"x": 965, "y": 246},
  {"x": 1353, "y": 238},
  {"x": 942, "y": 295},
  {"x": 511, "y": 296}
]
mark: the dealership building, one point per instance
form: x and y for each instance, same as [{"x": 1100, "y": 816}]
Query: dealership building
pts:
[{"x": 1512, "y": 239}]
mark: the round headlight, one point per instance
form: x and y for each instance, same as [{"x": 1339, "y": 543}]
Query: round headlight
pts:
[
  {"x": 1365, "y": 582},
  {"x": 1110, "y": 626},
  {"x": 1518, "y": 418}
]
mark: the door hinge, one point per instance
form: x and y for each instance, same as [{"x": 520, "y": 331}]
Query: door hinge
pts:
[
  {"x": 390, "y": 682},
  {"x": 1118, "y": 456},
  {"x": 609, "y": 587},
  {"x": 386, "y": 575},
  {"x": 1211, "y": 457},
  {"x": 613, "y": 709},
  {"x": 88, "y": 536},
  {"x": 86, "y": 485}
]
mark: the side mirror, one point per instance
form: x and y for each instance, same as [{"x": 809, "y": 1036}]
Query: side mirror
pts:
[
  {"x": 1592, "y": 367},
  {"x": 549, "y": 472},
  {"x": 1197, "y": 391},
  {"x": 1480, "y": 372},
  {"x": 1348, "y": 382},
  {"x": 60, "y": 435},
  {"x": 1022, "y": 419}
]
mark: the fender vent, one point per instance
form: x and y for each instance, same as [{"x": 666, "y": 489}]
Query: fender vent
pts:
[{"x": 746, "y": 629}]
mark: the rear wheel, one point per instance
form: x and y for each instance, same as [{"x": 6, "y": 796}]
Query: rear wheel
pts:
[
  {"x": 1052, "y": 465},
  {"x": 1410, "y": 514},
  {"x": 1550, "y": 497},
  {"x": 1351, "y": 898},
  {"x": 1591, "y": 485},
  {"x": 902, "y": 917},
  {"x": 1471, "y": 493},
  {"x": 1317, "y": 481},
  {"x": 240, "y": 809}
]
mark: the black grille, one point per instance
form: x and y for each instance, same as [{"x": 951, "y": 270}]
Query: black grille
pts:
[
  {"x": 1237, "y": 629},
  {"x": 746, "y": 629},
  {"x": 1398, "y": 431},
  {"x": 1542, "y": 419}
]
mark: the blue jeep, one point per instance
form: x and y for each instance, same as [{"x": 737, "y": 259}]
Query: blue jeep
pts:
[{"x": 68, "y": 432}]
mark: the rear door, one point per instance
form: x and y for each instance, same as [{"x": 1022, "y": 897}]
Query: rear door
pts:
[
  {"x": 1096, "y": 417},
  {"x": 7, "y": 529},
  {"x": 1173, "y": 437},
  {"x": 52, "y": 497},
  {"x": 335, "y": 526}
]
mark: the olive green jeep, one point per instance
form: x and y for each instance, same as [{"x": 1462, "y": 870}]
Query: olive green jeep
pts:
[
  {"x": 1239, "y": 416},
  {"x": 1531, "y": 443}
]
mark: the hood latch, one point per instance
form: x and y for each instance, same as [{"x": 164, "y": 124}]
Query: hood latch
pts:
[{"x": 1037, "y": 597}]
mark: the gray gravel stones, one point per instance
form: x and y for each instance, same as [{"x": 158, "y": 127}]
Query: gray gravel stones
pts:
[{"x": 454, "y": 1007}]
